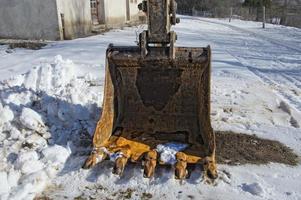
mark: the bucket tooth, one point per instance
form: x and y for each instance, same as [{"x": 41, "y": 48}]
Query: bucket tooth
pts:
[
  {"x": 209, "y": 167},
  {"x": 96, "y": 156},
  {"x": 150, "y": 160},
  {"x": 181, "y": 172},
  {"x": 121, "y": 161}
]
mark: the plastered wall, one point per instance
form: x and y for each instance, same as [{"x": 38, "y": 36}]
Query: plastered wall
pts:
[
  {"x": 134, "y": 11},
  {"x": 74, "y": 18},
  {"x": 29, "y": 19},
  {"x": 115, "y": 12}
]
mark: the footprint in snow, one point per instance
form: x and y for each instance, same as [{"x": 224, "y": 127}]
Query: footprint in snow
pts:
[{"x": 253, "y": 188}]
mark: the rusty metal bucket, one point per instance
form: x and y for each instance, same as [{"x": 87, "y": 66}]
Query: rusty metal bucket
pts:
[
  {"x": 156, "y": 94},
  {"x": 156, "y": 100}
]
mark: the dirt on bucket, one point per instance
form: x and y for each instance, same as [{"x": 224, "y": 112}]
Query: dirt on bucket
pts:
[{"x": 239, "y": 149}]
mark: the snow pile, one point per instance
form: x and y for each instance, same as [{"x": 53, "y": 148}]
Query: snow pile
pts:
[{"x": 41, "y": 111}]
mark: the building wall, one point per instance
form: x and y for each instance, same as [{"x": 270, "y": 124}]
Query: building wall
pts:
[
  {"x": 29, "y": 19},
  {"x": 77, "y": 18},
  {"x": 134, "y": 11},
  {"x": 115, "y": 12},
  {"x": 42, "y": 19}
]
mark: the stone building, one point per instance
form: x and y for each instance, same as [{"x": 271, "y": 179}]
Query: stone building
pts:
[{"x": 62, "y": 19}]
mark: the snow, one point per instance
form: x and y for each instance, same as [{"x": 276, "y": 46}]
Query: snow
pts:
[
  {"x": 56, "y": 154},
  {"x": 29, "y": 186},
  {"x": 4, "y": 185},
  {"x": 32, "y": 166},
  {"x": 26, "y": 157},
  {"x": 14, "y": 133},
  {"x": 37, "y": 142},
  {"x": 168, "y": 151},
  {"x": 113, "y": 157},
  {"x": 13, "y": 178},
  {"x": 6, "y": 115},
  {"x": 32, "y": 120},
  {"x": 50, "y": 102}
]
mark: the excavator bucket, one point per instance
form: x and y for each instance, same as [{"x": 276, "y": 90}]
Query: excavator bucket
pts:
[{"x": 156, "y": 94}]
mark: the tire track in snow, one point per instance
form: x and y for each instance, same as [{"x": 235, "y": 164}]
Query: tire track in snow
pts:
[
  {"x": 289, "y": 90},
  {"x": 256, "y": 35},
  {"x": 293, "y": 80},
  {"x": 288, "y": 98},
  {"x": 287, "y": 93},
  {"x": 276, "y": 86},
  {"x": 283, "y": 84}
]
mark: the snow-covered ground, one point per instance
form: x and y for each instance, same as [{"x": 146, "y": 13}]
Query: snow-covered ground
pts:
[{"x": 51, "y": 99}]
